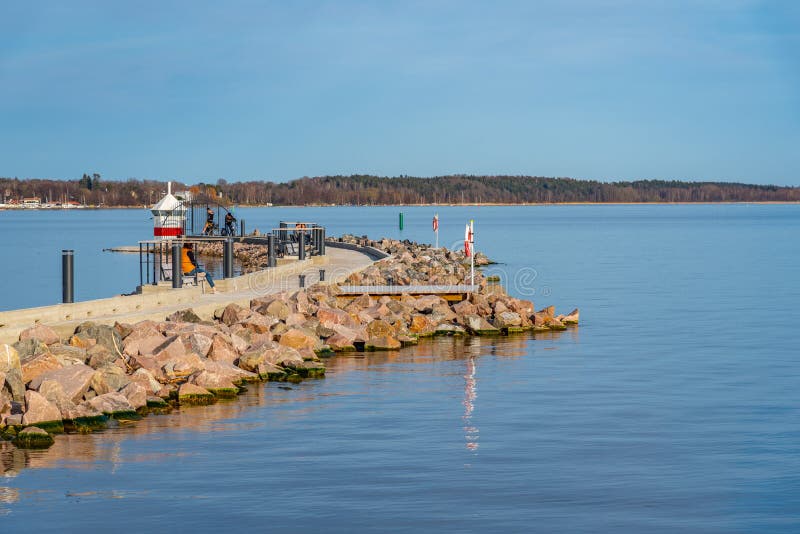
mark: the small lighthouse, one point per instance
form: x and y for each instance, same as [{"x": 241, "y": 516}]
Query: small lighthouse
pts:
[{"x": 169, "y": 216}]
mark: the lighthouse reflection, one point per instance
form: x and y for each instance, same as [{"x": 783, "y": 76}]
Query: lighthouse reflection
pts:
[{"x": 470, "y": 394}]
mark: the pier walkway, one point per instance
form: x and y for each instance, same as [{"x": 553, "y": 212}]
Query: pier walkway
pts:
[{"x": 157, "y": 302}]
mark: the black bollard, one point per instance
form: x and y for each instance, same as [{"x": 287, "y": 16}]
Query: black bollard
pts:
[
  {"x": 272, "y": 261},
  {"x": 322, "y": 275},
  {"x": 227, "y": 258},
  {"x": 177, "y": 278},
  {"x": 322, "y": 241},
  {"x": 301, "y": 242},
  {"x": 67, "y": 276},
  {"x": 302, "y": 280},
  {"x": 283, "y": 234},
  {"x": 241, "y": 229}
]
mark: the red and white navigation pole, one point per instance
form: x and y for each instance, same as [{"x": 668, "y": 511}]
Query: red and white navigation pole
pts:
[{"x": 436, "y": 228}]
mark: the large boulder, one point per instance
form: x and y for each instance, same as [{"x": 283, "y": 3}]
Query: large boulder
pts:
[
  {"x": 145, "y": 378},
  {"x": 222, "y": 351},
  {"x": 258, "y": 323},
  {"x": 479, "y": 326},
  {"x": 190, "y": 393},
  {"x": 102, "y": 335},
  {"x": 297, "y": 338},
  {"x": 74, "y": 380},
  {"x": 33, "y": 438},
  {"x": 136, "y": 395},
  {"x": 386, "y": 342},
  {"x": 43, "y": 333},
  {"x": 196, "y": 342},
  {"x": 67, "y": 354},
  {"x": 184, "y": 316},
  {"x": 99, "y": 356},
  {"x": 41, "y": 412},
  {"x": 109, "y": 378},
  {"x": 114, "y": 404},
  {"x": 507, "y": 319},
  {"x": 233, "y": 313},
  {"x": 379, "y": 328},
  {"x": 332, "y": 316},
  {"x": 215, "y": 383},
  {"x": 572, "y": 318},
  {"x": 143, "y": 339},
  {"x": 36, "y": 364}
]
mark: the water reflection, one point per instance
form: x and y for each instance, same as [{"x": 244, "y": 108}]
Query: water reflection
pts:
[
  {"x": 284, "y": 402},
  {"x": 470, "y": 394}
]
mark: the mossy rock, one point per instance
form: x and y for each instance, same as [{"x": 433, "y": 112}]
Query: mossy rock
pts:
[
  {"x": 515, "y": 329},
  {"x": 157, "y": 402},
  {"x": 85, "y": 425},
  {"x": 273, "y": 376},
  {"x": 487, "y": 332},
  {"x": 33, "y": 438},
  {"x": 51, "y": 427},
  {"x": 294, "y": 378},
  {"x": 327, "y": 352},
  {"x": 125, "y": 416},
  {"x": 557, "y": 327},
  {"x": 196, "y": 400},
  {"x": 540, "y": 329},
  {"x": 224, "y": 393}
]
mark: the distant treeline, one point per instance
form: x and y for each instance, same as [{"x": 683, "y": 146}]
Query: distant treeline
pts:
[{"x": 371, "y": 190}]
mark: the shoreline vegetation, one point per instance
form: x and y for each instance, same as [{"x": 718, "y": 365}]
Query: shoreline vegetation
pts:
[
  {"x": 104, "y": 373},
  {"x": 365, "y": 190}
]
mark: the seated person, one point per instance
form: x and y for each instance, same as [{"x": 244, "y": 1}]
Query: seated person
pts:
[{"x": 189, "y": 265}]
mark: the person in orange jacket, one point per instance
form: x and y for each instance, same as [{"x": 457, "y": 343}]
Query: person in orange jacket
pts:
[{"x": 189, "y": 265}]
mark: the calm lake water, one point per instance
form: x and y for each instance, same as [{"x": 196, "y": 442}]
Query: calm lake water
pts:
[{"x": 674, "y": 406}]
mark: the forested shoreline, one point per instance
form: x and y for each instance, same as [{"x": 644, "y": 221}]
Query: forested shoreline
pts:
[{"x": 93, "y": 190}]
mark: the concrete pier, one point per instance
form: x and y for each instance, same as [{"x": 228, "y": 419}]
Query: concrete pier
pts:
[{"x": 156, "y": 302}]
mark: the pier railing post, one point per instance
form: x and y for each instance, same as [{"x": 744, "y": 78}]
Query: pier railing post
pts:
[
  {"x": 272, "y": 260},
  {"x": 227, "y": 260},
  {"x": 302, "y": 278},
  {"x": 301, "y": 242},
  {"x": 322, "y": 275},
  {"x": 177, "y": 278},
  {"x": 322, "y": 241},
  {"x": 241, "y": 230},
  {"x": 67, "y": 276}
]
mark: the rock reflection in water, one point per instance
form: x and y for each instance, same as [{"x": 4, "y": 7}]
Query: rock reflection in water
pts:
[{"x": 85, "y": 451}]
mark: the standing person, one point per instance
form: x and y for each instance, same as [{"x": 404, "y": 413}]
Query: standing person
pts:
[
  {"x": 189, "y": 265},
  {"x": 208, "y": 229},
  {"x": 229, "y": 220}
]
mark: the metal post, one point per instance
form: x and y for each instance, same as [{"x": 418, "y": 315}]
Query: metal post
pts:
[
  {"x": 227, "y": 258},
  {"x": 401, "y": 220},
  {"x": 322, "y": 275},
  {"x": 283, "y": 234},
  {"x": 156, "y": 274},
  {"x": 67, "y": 276},
  {"x": 272, "y": 261},
  {"x": 141, "y": 278},
  {"x": 177, "y": 278},
  {"x": 241, "y": 229},
  {"x": 322, "y": 241},
  {"x": 301, "y": 242},
  {"x": 302, "y": 280}
]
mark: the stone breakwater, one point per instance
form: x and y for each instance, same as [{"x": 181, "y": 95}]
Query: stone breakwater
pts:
[
  {"x": 252, "y": 257},
  {"x": 103, "y": 373}
]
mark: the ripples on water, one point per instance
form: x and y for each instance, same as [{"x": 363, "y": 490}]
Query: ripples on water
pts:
[{"x": 672, "y": 407}]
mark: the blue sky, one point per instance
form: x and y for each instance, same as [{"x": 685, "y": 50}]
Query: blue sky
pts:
[{"x": 605, "y": 89}]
